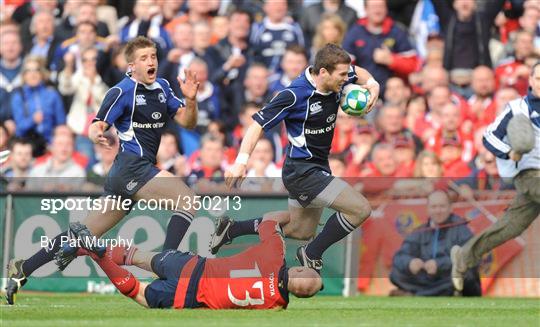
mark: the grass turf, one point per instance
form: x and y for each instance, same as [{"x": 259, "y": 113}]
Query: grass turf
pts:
[{"x": 107, "y": 310}]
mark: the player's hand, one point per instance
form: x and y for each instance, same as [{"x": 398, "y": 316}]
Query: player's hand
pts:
[
  {"x": 416, "y": 265},
  {"x": 516, "y": 156},
  {"x": 190, "y": 85},
  {"x": 431, "y": 267},
  {"x": 235, "y": 175},
  {"x": 96, "y": 135},
  {"x": 373, "y": 89}
]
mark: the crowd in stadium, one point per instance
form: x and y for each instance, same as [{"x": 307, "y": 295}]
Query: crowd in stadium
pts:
[{"x": 446, "y": 68}]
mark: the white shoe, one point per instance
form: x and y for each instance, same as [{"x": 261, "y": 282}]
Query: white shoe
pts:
[{"x": 457, "y": 276}]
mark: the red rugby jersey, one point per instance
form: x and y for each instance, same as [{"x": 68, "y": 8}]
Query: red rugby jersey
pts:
[{"x": 253, "y": 279}]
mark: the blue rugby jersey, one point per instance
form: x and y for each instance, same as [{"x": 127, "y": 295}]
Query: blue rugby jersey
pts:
[
  {"x": 496, "y": 140},
  {"x": 139, "y": 113},
  {"x": 309, "y": 115},
  {"x": 269, "y": 41}
]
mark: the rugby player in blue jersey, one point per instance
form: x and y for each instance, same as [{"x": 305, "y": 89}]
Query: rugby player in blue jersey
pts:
[
  {"x": 138, "y": 107},
  {"x": 309, "y": 109}
]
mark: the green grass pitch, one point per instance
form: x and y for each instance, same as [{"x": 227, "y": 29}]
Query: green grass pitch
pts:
[{"x": 114, "y": 310}]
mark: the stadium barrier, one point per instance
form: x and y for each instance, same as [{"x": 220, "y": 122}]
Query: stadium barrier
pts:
[
  {"x": 26, "y": 222},
  {"x": 359, "y": 263}
]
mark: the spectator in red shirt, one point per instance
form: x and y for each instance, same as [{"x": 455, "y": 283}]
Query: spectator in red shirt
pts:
[
  {"x": 450, "y": 128},
  {"x": 391, "y": 121},
  {"x": 502, "y": 97},
  {"x": 432, "y": 76},
  {"x": 427, "y": 175},
  {"x": 343, "y": 132},
  {"x": 513, "y": 71},
  {"x": 364, "y": 137},
  {"x": 416, "y": 114},
  {"x": 207, "y": 169},
  {"x": 453, "y": 165},
  {"x": 483, "y": 86},
  {"x": 437, "y": 99},
  {"x": 383, "y": 162},
  {"x": 79, "y": 158},
  {"x": 428, "y": 165},
  {"x": 383, "y": 167},
  {"x": 337, "y": 165},
  {"x": 404, "y": 153}
]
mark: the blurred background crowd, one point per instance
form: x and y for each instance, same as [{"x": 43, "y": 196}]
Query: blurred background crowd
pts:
[{"x": 446, "y": 68}]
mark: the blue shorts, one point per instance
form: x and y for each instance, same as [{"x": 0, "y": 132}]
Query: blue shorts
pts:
[
  {"x": 168, "y": 266},
  {"x": 128, "y": 174},
  {"x": 310, "y": 185}
]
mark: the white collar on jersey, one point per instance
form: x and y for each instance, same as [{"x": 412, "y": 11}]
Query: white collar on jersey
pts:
[
  {"x": 312, "y": 82},
  {"x": 153, "y": 86}
]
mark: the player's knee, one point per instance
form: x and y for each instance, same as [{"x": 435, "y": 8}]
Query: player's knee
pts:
[
  {"x": 299, "y": 232},
  {"x": 358, "y": 212}
]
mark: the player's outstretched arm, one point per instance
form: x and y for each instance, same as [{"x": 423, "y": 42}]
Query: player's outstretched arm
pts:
[
  {"x": 236, "y": 174},
  {"x": 96, "y": 133},
  {"x": 188, "y": 118},
  {"x": 366, "y": 80}
]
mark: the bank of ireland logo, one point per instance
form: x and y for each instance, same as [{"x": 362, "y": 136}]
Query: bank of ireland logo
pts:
[
  {"x": 161, "y": 98},
  {"x": 156, "y": 115},
  {"x": 331, "y": 118}
]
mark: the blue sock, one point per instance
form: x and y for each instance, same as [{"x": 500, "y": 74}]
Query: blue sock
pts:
[
  {"x": 244, "y": 227},
  {"x": 336, "y": 228},
  {"x": 42, "y": 257},
  {"x": 176, "y": 229}
]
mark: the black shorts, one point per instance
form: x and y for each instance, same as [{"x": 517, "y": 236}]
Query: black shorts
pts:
[
  {"x": 128, "y": 174},
  {"x": 310, "y": 184},
  {"x": 168, "y": 266}
]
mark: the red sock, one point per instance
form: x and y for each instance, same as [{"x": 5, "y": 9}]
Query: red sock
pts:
[
  {"x": 120, "y": 255},
  {"x": 124, "y": 280}
]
